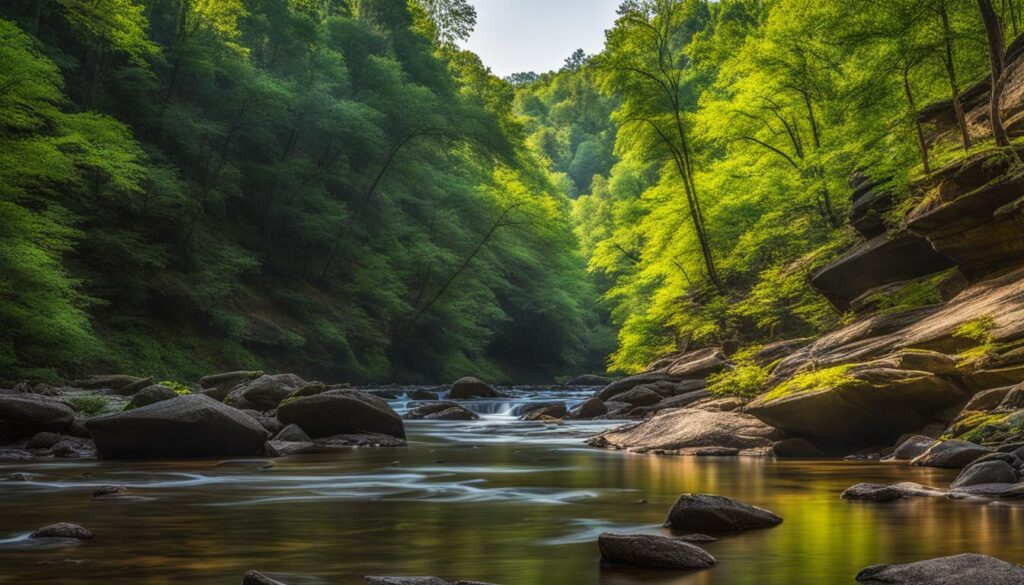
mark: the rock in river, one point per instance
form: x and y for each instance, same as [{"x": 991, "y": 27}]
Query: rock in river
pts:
[
  {"x": 63, "y": 530},
  {"x": 707, "y": 513},
  {"x": 265, "y": 392},
  {"x": 950, "y": 454},
  {"x": 184, "y": 427},
  {"x": 648, "y": 550},
  {"x": 152, "y": 395},
  {"x": 23, "y": 415},
  {"x": 470, "y": 387},
  {"x": 986, "y": 472},
  {"x": 257, "y": 578},
  {"x": 875, "y": 492},
  {"x": 589, "y": 409},
  {"x": 341, "y": 412},
  {"x": 965, "y": 569},
  {"x": 444, "y": 410},
  {"x": 685, "y": 428}
]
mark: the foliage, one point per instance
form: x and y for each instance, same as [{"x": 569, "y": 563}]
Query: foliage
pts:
[
  {"x": 813, "y": 381},
  {"x": 913, "y": 295},
  {"x": 179, "y": 388},
  {"x": 90, "y": 404},
  {"x": 747, "y": 377}
]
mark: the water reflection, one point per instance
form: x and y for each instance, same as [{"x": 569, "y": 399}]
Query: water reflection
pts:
[{"x": 496, "y": 500}]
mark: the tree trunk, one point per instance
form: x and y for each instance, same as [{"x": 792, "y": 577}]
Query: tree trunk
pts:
[
  {"x": 958, "y": 106},
  {"x": 997, "y": 60},
  {"x": 921, "y": 144},
  {"x": 686, "y": 172}
]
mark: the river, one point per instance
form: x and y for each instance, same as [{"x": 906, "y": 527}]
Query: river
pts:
[{"x": 496, "y": 500}]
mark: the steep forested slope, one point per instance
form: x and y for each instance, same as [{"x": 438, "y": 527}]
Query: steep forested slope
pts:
[{"x": 318, "y": 185}]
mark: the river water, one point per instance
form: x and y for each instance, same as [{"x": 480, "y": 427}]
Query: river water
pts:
[{"x": 497, "y": 500}]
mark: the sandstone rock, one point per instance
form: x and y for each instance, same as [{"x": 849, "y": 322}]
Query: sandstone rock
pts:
[
  {"x": 63, "y": 530},
  {"x": 337, "y": 412},
  {"x": 985, "y": 472},
  {"x": 965, "y": 569},
  {"x": 950, "y": 454},
  {"x": 589, "y": 409},
  {"x": 152, "y": 395},
  {"x": 470, "y": 387},
  {"x": 685, "y": 428},
  {"x": 987, "y": 399},
  {"x": 22, "y": 415},
  {"x": 444, "y": 410},
  {"x": 858, "y": 406},
  {"x": 589, "y": 380},
  {"x": 647, "y": 550},
  {"x": 698, "y": 364},
  {"x": 708, "y": 513},
  {"x": 879, "y": 261},
  {"x": 184, "y": 427},
  {"x": 639, "y": 396}
]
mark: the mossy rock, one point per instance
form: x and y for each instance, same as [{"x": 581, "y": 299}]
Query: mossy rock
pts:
[{"x": 996, "y": 428}]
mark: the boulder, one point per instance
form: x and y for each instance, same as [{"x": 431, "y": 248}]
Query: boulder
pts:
[
  {"x": 685, "y": 428},
  {"x": 985, "y": 472},
  {"x": 23, "y": 415},
  {"x": 227, "y": 378},
  {"x": 708, "y": 513},
  {"x": 648, "y": 550},
  {"x": 134, "y": 387},
  {"x": 589, "y": 409},
  {"x": 417, "y": 581},
  {"x": 185, "y": 427},
  {"x": 152, "y": 395},
  {"x": 540, "y": 411},
  {"x": 640, "y": 396},
  {"x": 105, "y": 382},
  {"x": 912, "y": 447},
  {"x": 853, "y": 406},
  {"x": 470, "y": 387},
  {"x": 874, "y": 492},
  {"x": 109, "y": 492},
  {"x": 589, "y": 380},
  {"x": 445, "y": 410},
  {"x": 698, "y": 364},
  {"x": 338, "y": 412},
  {"x": 965, "y": 569},
  {"x": 680, "y": 401},
  {"x": 63, "y": 530},
  {"x": 43, "y": 440},
  {"x": 277, "y": 448},
  {"x": 619, "y": 386},
  {"x": 292, "y": 433},
  {"x": 265, "y": 392},
  {"x": 420, "y": 395},
  {"x": 950, "y": 454}
]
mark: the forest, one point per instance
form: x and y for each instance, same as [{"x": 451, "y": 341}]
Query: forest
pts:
[{"x": 337, "y": 187}]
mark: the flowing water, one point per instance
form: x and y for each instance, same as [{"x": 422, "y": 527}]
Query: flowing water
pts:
[{"x": 497, "y": 500}]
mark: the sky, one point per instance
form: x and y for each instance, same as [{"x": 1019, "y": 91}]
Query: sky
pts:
[{"x": 537, "y": 35}]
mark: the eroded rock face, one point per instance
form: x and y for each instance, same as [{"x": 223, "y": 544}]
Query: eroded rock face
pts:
[
  {"x": 708, "y": 513},
  {"x": 966, "y": 569},
  {"x": 867, "y": 405},
  {"x": 181, "y": 428},
  {"x": 338, "y": 412},
  {"x": 648, "y": 550},
  {"x": 687, "y": 428}
]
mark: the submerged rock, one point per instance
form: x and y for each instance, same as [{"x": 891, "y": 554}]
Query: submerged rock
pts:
[
  {"x": 648, "y": 550},
  {"x": 542, "y": 411},
  {"x": 708, "y": 513},
  {"x": 63, "y": 530},
  {"x": 874, "y": 492},
  {"x": 185, "y": 427},
  {"x": 418, "y": 581},
  {"x": 470, "y": 387},
  {"x": 257, "y": 578},
  {"x": 685, "y": 428},
  {"x": 110, "y": 492},
  {"x": 337, "y": 412},
  {"x": 965, "y": 569}
]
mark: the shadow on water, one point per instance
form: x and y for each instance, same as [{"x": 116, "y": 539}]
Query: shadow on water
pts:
[{"x": 496, "y": 499}]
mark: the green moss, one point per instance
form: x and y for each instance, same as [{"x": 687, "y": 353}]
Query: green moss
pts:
[
  {"x": 920, "y": 293},
  {"x": 813, "y": 381},
  {"x": 179, "y": 388},
  {"x": 747, "y": 378},
  {"x": 90, "y": 405},
  {"x": 996, "y": 428},
  {"x": 979, "y": 329}
]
